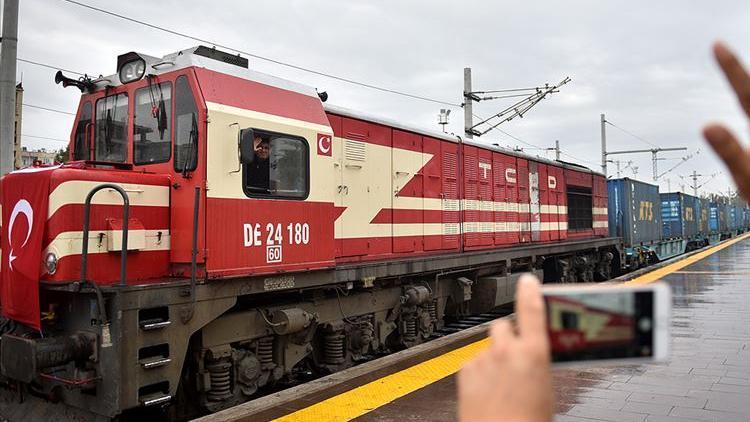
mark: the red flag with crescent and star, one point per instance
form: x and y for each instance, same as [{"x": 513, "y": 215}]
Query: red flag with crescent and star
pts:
[{"x": 25, "y": 194}]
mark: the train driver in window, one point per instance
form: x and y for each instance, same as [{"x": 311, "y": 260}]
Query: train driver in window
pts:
[{"x": 259, "y": 170}]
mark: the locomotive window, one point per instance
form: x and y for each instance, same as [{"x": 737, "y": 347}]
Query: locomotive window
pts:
[
  {"x": 569, "y": 320},
  {"x": 152, "y": 142},
  {"x": 279, "y": 168},
  {"x": 185, "y": 127},
  {"x": 80, "y": 148},
  {"x": 111, "y": 143},
  {"x": 579, "y": 208}
]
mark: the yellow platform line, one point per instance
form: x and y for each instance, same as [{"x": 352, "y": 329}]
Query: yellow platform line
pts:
[
  {"x": 358, "y": 401},
  {"x": 363, "y": 399}
]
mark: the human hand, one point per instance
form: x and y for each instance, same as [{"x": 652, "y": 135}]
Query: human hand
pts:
[
  {"x": 723, "y": 141},
  {"x": 511, "y": 380}
]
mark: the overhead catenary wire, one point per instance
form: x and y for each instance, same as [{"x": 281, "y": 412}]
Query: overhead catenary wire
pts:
[
  {"x": 260, "y": 57},
  {"x": 632, "y": 134},
  {"x": 48, "y": 109},
  {"x": 510, "y": 135},
  {"x": 23, "y": 135},
  {"x": 683, "y": 161},
  {"x": 49, "y": 66}
]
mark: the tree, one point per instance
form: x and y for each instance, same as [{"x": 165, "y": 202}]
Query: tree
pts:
[{"x": 62, "y": 155}]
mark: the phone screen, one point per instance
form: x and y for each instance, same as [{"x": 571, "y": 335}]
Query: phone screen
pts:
[{"x": 600, "y": 325}]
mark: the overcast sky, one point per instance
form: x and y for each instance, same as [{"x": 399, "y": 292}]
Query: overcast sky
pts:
[{"x": 645, "y": 64}]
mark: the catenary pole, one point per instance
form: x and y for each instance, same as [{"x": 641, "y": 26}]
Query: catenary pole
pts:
[
  {"x": 8, "y": 52},
  {"x": 468, "y": 103},
  {"x": 604, "y": 146}
]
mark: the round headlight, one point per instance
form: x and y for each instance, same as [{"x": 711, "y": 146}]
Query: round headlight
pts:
[
  {"x": 132, "y": 71},
  {"x": 50, "y": 263}
]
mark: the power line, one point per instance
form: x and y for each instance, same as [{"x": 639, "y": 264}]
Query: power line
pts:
[
  {"x": 579, "y": 159},
  {"x": 44, "y": 137},
  {"x": 259, "y": 57},
  {"x": 49, "y": 66},
  {"x": 48, "y": 109},
  {"x": 537, "y": 146},
  {"x": 632, "y": 134},
  {"x": 510, "y": 135}
]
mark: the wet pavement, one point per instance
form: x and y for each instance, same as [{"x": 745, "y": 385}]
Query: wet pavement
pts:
[{"x": 707, "y": 377}]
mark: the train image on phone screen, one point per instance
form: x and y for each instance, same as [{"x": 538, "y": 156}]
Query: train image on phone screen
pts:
[{"x": 592, "y": 326}]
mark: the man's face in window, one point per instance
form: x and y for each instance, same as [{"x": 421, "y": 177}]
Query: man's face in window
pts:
[{"x": 262, "y": 149}]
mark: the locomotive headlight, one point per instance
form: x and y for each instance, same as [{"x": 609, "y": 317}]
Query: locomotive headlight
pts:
[
  {"x": 50, "y": 263},
  {"x": 132, "y": 71}
]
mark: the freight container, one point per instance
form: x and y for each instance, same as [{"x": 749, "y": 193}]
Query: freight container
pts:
[
  {"x": 703, "y": 213},
  {"x": 724, "y": 217},
  {"x": 679, "y": 214},
  {"x": 713, "y": 217},
  {"x": 634, "y": 211},
  {"x": 735, "y": 217}
]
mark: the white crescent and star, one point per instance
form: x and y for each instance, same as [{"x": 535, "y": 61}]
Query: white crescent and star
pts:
[
  {"x": 22, "y": 207},
  {"x": 324, "y": 143}
]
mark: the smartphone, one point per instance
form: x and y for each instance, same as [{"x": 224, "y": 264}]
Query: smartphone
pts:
[{"x": 608, "y": 322}]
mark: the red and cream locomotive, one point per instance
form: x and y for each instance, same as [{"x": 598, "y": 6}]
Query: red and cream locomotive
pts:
[{"x": 218, "y": 230}]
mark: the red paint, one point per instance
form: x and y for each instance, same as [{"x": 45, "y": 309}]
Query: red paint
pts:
[
  {"x": 229, "y": 253},
  {"x": 249, "y": 95}
]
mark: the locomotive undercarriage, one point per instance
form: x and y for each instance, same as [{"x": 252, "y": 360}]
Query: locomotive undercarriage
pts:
[{"x": 233, "y": 340}]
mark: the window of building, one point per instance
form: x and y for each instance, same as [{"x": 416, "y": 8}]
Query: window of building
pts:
[
  {"x": 80, "y": 147},
  {"x": 152, "y": 141},
  {"x": 279, "y": 168},
  {"x": 185, "y": 127},
  {"x": 111, "y": 142},
  {"x": 579, "y": 208}
]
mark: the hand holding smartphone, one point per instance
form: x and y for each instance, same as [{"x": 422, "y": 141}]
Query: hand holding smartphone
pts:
[{"x": 607, "y": 322}]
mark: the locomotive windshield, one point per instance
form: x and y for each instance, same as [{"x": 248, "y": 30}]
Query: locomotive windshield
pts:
[
  {"x": 152, "y": 134},
  {"x": 111, "y": 143}
]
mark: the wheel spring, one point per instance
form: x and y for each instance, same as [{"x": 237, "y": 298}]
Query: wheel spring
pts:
[
  {"x": 265, "y": 351},
  {"x": 333, "y": 348},
  {"x": 221, "y": 382},
  {"x": 410, "y": 329},
  {"x": 432, "y": 309}
]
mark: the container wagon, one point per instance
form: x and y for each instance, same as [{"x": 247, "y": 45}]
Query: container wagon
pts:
[{"x": 680, "y": 215}]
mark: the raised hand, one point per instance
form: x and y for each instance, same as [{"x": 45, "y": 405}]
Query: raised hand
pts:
[
  {"x": 723, "y": 141},
  {"x": 511, "y": 380}
]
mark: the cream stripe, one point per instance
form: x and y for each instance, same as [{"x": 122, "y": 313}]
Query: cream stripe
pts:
[
  {"x": 71, "y": 243},
  {"x": 222, "y": 108},
  {"x": 599, "y": 211},
  {"x": 433, "y": 229},
  {"x": 600, "y": 224},
  {"x": 75, "y": 191},
  {"x": 474, "y": 205}
]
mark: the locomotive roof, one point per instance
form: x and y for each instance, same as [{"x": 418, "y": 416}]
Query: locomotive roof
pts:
[
  {"x": 448, "y": 137},
  {"x": 200, "y": 56}
]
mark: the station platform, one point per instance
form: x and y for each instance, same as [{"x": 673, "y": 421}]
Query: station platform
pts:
[{"x": 707, "y": 377}]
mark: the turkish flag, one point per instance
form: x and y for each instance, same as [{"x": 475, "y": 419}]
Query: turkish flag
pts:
[{"x": 25, "y": 194}]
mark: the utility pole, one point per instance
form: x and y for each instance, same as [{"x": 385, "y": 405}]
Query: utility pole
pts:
[
  {"x": 604, "y": 146},
  {"x": 468, "y": 104},
  {"x": 617, "y": 166},
  {"x": 8, "y": 52},
  {"x": 557, "y": 150},
  {"x": 695, "y": 177}
]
